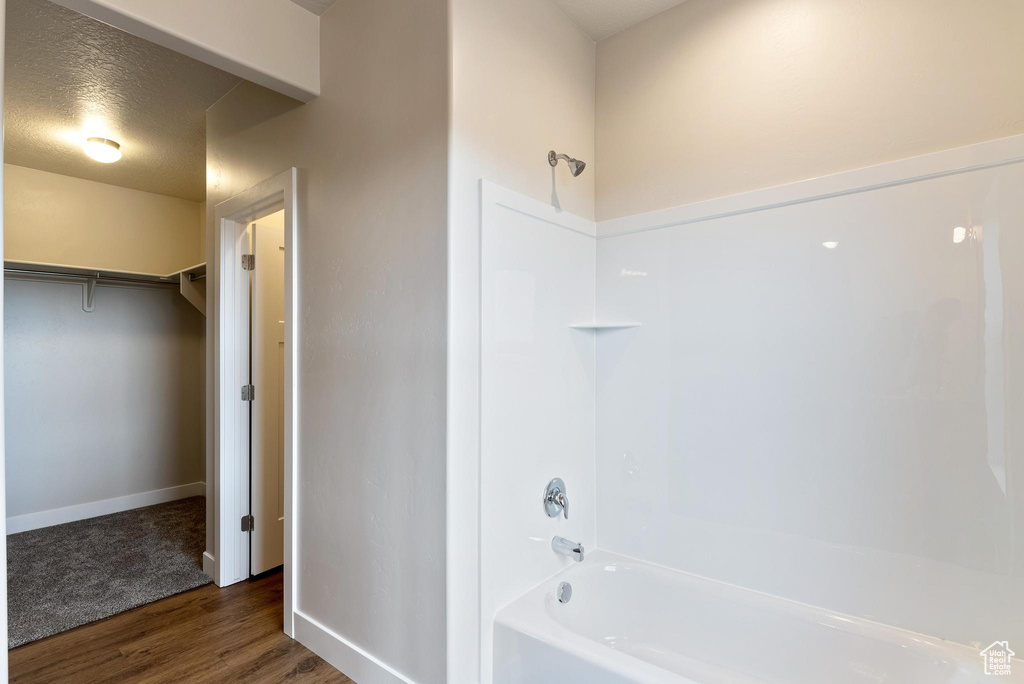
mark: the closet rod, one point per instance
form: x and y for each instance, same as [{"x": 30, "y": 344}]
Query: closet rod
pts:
[{"x": 79, "y": 276}]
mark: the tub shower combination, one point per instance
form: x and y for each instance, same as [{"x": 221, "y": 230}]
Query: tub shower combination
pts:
[{"x": 775, "y": 430}]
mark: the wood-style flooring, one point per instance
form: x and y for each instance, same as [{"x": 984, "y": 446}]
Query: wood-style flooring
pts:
[{"x": 204, "y": 635}]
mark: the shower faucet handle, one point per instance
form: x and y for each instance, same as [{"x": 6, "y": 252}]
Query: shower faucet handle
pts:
[{"x": 555, "y": 499}]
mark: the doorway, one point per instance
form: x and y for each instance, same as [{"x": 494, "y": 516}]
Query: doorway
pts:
[
  {"x": 253, "y": 299},
  {"x": 266, "y": 393},
  {"x": 104, "y": 318}
]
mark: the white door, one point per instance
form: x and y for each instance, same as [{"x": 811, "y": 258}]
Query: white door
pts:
[{"x": 267, "y": 373}]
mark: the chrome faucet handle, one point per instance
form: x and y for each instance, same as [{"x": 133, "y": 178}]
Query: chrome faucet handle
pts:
[
  {"x": 563, "y": 501},
  {"x": 555, "y": 499}
]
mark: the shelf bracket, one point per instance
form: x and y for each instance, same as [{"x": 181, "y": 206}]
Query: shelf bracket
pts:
[
  {"x": 89, "y": 295},
  {"x": 194, "y": 291}
]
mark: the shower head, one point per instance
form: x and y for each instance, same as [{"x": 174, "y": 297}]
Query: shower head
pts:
[{"x": 575, "y": 165}]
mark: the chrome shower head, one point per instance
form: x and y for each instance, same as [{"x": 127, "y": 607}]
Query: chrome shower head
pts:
[{"x": 575, "y": 165}]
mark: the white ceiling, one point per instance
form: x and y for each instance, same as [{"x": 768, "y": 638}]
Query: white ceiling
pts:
[
  {"x": 317, "y": 7},
  {"x": 602, "y": 18},
  {"x": 598, "y": 18},
  {"x": 69, "y": 77}
]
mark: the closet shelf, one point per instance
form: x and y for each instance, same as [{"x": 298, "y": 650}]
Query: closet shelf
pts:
[
  {"x": 184, "y": 279},
  {"x": 43, "y": 269},
  {"x": 604, "y": 325}
]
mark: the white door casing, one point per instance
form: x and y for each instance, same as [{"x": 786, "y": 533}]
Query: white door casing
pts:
[{"x": 227, "y": 557}]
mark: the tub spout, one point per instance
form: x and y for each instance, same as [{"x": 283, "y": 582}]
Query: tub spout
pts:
[{"x": 567, "y": 548}]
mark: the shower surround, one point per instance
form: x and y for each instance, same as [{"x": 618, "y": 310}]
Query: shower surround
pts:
[{"x": 813, "y": 399}]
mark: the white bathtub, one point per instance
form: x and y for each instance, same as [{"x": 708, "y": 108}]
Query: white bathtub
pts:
[{"x": 630, "y": 621}]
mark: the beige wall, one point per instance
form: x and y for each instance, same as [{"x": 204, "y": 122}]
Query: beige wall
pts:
[
  {"x": 372, "y": 276},
  {"x": 716, "y": 97},
  {"x": 522, "y": 84},
  {"x": 63, "y": 220},
  {"x": 128, "y": 418}
]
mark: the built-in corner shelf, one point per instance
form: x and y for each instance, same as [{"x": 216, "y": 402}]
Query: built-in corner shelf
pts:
[{"x": 604, "y": 325}]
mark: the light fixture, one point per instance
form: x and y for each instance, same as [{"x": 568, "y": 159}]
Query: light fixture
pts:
[
  {"x": 103, "y": 150},
  {"x": 959, "y": 235},
  {"x": 831, "y": 244}
]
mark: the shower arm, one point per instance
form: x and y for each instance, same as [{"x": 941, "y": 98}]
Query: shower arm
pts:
[{"x": 553, "y": 158}]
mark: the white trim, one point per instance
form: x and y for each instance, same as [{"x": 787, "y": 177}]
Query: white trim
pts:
[
  {"x": 230, "y": 439},
  {"x": 983, "y": 155},
  {"x": 343, "y": 655},
  {"x": 292, "y": 217},
  {"x": 92, "y": 509},
  {"x": 209, "y": 564}
]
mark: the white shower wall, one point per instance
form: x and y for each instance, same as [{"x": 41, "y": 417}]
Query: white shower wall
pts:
[
  {"x": 820, "y": 402},
  {"x": 536, "y": 393}
]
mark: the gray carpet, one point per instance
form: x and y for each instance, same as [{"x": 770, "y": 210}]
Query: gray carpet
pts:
[{"x": 67, "y": 575}]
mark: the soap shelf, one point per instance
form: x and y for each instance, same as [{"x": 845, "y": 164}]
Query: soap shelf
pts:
[{"x": 604, "y": 325}]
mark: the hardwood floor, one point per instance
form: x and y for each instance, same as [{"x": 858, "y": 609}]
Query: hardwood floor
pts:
[{"x": 204, "y": 635}]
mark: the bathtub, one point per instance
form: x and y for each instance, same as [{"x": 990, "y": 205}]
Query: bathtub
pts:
[{"x": 629, "y": 621}]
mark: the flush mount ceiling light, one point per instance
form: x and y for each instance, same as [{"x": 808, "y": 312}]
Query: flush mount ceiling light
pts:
[
  {"x": 103, "y": 150},
  {"x": 831, "y": 244}
]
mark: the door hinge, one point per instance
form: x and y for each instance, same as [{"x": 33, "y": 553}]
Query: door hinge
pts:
[
  {"x": 248, "y": 523},
  {"x": 248, "y": 392},
  {"x": 248, "y": 262}
]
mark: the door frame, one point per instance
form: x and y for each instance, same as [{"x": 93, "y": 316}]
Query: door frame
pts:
[
  {"x": 229, "y": 316},
  {"x": 3, "y": 456}
]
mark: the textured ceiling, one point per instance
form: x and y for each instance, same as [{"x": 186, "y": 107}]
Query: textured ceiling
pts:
[
  {"x": 69, "y": 77},
  {"x": 602, "y": 18},
  {"x": 317, "y": 7}
]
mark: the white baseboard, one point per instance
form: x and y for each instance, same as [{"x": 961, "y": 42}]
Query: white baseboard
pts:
[
  {"x": 210, "y": 565},
  {"x": 56, "y": 516},
  {"x": 345, "y": 656}
]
